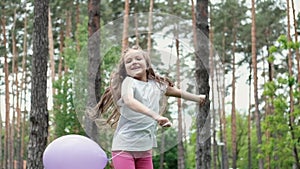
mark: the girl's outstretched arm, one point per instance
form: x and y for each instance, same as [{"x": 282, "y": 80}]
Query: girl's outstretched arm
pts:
[
  {"x": 137, "y": 106},
  {"x": 175, "y": 92},
  {"x": 128, "y": 98}
]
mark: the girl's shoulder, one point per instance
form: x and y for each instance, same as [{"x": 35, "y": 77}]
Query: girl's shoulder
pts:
[
  {"x": 128, "y": 78},
  {"x": 134, "y": 81}
]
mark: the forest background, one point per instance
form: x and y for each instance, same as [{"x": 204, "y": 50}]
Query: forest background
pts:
[{"x": 262, "y": 132}]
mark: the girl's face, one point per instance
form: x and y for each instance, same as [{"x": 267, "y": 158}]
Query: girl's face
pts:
[{"x": 136, "y": 65}]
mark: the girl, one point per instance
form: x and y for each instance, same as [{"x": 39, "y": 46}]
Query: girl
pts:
[{"x": 133, "y": 98}]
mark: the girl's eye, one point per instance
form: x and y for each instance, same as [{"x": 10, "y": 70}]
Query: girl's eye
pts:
[
  {"x": 128, "y": 60},
  {"x": 138, "y": 58}
]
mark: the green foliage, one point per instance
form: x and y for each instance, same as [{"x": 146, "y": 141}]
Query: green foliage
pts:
[
  {"x": 242, "y": 141},
  {"x": 270, "y": 88},
  {"x": 191, "y": 148},
  {"x": 69, "y": 53},
  {"x": 81, "y": 33},
  {"x": 273, "y": 49},
  {"x": 170, "y": 156},
  {"x": 280, "y": 143},
  {"x": 283, "y": 41},
  {"x": 109, "y": 63},
  {"x": 65, "y": 118},
  {"x": 297, "y": 45}
]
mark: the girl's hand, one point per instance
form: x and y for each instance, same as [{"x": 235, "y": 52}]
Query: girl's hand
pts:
[
  {"x": 202, "y": 100},
  {"x": 163, "y": 121},
  {"x": 168, "y": 124}
]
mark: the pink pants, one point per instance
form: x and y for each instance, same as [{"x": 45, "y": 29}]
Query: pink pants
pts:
[{"x": 132, "y": 159}]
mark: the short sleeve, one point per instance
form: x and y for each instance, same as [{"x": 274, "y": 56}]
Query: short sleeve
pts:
[
  {"x": 127, "y": 87},
  {"x": 163, "y": 87}
]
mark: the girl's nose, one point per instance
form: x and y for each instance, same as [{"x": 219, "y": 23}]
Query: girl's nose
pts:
[{"x": 134, "y": 61}]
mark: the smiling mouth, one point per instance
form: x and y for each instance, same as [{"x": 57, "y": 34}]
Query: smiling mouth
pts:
[{"x": 134, "y": 68}]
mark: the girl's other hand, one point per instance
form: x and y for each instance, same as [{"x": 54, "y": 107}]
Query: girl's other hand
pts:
[{"x": 163, "y": 121}]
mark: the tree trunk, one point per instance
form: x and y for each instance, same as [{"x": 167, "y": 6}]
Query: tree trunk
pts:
[
  {"x": 125, "y": 26},
  {"x": 150, "y": 27},
  {"x": 203, "y": 149},
  {"x": 291, "y": 111},
  {"x": 68, "y": 24},
  {"x": 212, "y": 80},
  {"x": 180, "y": 151},
  {"x": 23, "y": 90},
  {"x": 219, "y": 75},
  {"x": 194, "y": 25},
  {"x": 7, "y": 102},
  {"x": 225, "y": 152},
  {"x": 233, "y": 113},
  {"x": 39, "y": 114},
  {"x": 93, "y": 64},
  {"x": 16, "y": 151},
  {"x": 14, "y": 85},
  {"x": 61, "y": 50},
  {"x": 162, "y": 154},
  {"x": 136, "y": 22},
  {"x": 296, "y": 41},
  {"x": 77, "y": 24},
  {"x": 249, "y": 121},
  {"x": 268, "y": 104},
  {"x": 254, "y": 65},
  {"x": 51, "y": 52}
]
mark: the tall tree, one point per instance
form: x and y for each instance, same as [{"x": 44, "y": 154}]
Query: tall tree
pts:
[
  {"x": 125, "y": 25},
  {"x": 136, "y": 23},
  {"x": 249, "y": 124},
  {"x": 203, "y": 150},
  {"x": 296, "y": 40},
  {"x": 17, "y": 141},
  {"x": 291, "y": 90},
  {"x": 254, "y": 65},
  {"x": 269, "y": 15},
  {"x": 39, "y": 113},
  {"x": 94, "y": 81},
  {"x": 7, "y": 102},
  {"x": 233, "y": 112},
  {"x": 212, "y": 78},
  {"x": 23, "y": 91},
  {"x": 223, "y": 93},
  {"x": 13, "y": 86},
  {"x": 180, "y": 152},
  {"x": 150, "y": 26},
  {"x": 51, "y": 50}
]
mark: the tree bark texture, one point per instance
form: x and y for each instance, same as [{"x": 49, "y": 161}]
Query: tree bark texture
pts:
[
  {"x": 39, "y": 114},
  {"x": 7, "y": 102},
  {"x": 94, "y": 80},
  {"x": 125, "y": 25},
  {"x": 291, "y": 100},
  {"x": 255, "y": 88},
  {"x": 233, "y": 113},
  {"x": 203, "y": 149},
  {"x": 180, "y": 151}
]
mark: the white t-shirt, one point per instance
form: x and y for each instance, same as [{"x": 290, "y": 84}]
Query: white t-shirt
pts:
[{"x": 136, "y": 131}]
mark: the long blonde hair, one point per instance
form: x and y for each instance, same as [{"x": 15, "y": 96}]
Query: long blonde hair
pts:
[{"x": 107, "y": 103}]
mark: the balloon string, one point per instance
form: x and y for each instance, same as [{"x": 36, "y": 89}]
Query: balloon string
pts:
[{"x": 115, "y": 155}]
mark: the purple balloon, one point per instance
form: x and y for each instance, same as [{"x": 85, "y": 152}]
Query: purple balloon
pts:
[{"x": 74, "y": 152}]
